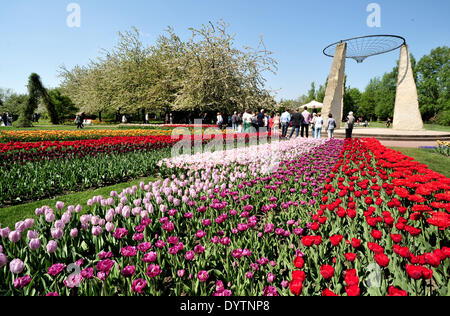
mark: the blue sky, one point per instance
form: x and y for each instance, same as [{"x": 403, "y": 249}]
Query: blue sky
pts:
[{"x": 34, "y": 36}]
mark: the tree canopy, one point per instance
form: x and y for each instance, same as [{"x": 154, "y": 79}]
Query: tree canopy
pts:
[{"x": 205, "y": 73}]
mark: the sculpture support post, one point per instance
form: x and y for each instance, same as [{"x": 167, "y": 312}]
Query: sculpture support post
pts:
[
  {"x": 334, "y": 95},
  {"x": 406, "y": 113}
]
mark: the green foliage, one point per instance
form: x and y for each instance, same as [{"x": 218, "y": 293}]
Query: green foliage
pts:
[
  {"x": 205, "y": 73},
  {"x": 13, "y": 102},
  {"x": 434, "y": 85},
  {"x": 36, "y": 91},
  {"x": 42, "y": 179},
  {"x": 64, "y": 106},
  {"x": 352, "y": 97}
]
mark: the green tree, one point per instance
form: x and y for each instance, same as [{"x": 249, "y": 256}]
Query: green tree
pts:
[
  {"x": 36, "y": 91},
  {"x": 205, "y": 73},
  {"x": 13, "y": 104},
  {"x": 433, "y": 72},
  {"x": 64, "y": 106},
  {"x": 352, "y": 98}
]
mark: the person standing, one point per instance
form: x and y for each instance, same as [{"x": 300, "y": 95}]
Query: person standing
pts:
[
  {"x": 285, "y": 121},
  {"x": 5, "y": 119},
  {"x": 318, "y": 125},
  {"x": 313, "y": 123},
  {"x": 306, "y": 122},
  {"x": 349, "y": 125},
  {"x": 147, "y": 118},
  {"x": 331, "y": 126},
  {"x": 247, "y": 120},
  {"x": 276, "y": 123},
  {"x": 239, "y": 123},
  {"x": 297, "y": 122},
  {"x": 260, "y": 119},
  {"x": 219, "y": 120},
  {"x": 266, "y": 123},
  {"x": 255, "y": 122},
  {"x": 234, "y": 121}
]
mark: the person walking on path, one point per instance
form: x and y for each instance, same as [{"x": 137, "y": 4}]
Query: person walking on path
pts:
[
  {"x": 318, "y": 125},
  {"x": 349, "y": 125},
  {"x": 331, "y": 126},
  {"x": 297, "y": 122},
  {"x": 306, "y": 122},
  {"x": 285, "y": 121},
  {"x": 78, "y": 121}
]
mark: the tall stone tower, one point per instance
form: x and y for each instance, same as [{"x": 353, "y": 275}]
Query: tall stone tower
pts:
[
  {"x": 334, "y": 94},
  {"x": 407, "y": 115}
]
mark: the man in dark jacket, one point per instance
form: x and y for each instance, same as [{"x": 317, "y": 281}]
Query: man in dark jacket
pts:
[
  {"x": 297, "y": 121},
  {"x": 260, "y": 119}
]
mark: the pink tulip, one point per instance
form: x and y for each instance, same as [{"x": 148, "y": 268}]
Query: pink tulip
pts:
[
  {"x": 29, "y": 223},
  {"x": 74, "y": 233},
  {"x": 16, "y": 266},
  {"x": 35, "y": 244},
  {"x": 60, "y": 205},
  {"x": 52, "y": 246},
  {"x": 73, "y": 281},
  {"x": 4, "y": 233},
  {"x": 14, "y": 236},
  {"x": 109, "y": 227},
  {"x": 203, "y": 276},
  {"x": 56, "y": 233},
  {"x": 20, "y": 283},
  {"x": 3, "y": 260},
  {"x": 21, "y": 227},
  {"x": 50, "y": 217},
  {"x": 138, "y": 286}
]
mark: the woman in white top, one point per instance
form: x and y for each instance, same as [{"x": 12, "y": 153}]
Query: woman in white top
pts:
[{"x": 318, "y": 125}]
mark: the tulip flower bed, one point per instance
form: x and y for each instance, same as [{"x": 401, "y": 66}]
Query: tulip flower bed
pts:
[
  {"x": 32, "y": 171},
  {"x": 332, "y": 216},
  {"x": 64, "y": 135},
  {"x": 185, "y": 235},
  {"x": 39, "y": 170},
  {"x": 383, "y": 218}
]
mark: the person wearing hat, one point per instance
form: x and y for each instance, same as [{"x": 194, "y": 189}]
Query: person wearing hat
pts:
[{"x": 349, "y": 125}]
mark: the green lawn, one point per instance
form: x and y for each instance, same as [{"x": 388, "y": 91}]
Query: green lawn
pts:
[
  {"x": 46, "y": 126},
  {"x": 430, "y": 127},
  {"x": 433, "y": 160},
  {"x": 10, "y": 215}
]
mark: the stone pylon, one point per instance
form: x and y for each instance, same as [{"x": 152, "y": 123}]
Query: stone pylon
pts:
[
  {"x": 334, "y": 95},
  {"x": 406, "y": 113}
]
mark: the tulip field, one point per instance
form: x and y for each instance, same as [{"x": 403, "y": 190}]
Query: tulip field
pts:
[{"x": 302, "y": 217}]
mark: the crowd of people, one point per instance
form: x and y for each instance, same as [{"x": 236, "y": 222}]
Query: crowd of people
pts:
[{"x": 300, "y": 123}]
